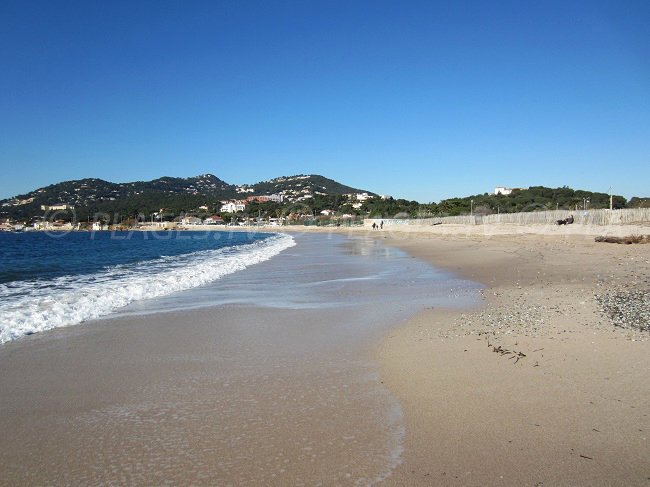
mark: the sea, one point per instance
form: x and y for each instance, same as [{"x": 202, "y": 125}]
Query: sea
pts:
[{"x": 56, "y": 279}]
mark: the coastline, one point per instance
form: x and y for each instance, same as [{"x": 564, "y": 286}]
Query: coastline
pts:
[
  {"x": 572, "y": 409},
  {"x": 274, "y": 383}
]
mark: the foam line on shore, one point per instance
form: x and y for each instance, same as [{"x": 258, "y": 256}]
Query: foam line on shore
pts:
[{"x": 28, "y": 307}]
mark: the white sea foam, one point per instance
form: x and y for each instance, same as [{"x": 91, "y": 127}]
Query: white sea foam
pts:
[{"x": 28, "y": 307}]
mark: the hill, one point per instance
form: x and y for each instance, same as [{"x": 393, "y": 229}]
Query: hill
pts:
[
  {"x": 304, "y": 194},
  {"x": 295, "y": 187},
  {"x": 175, "y": 195},
  {"x": 535, "y": 198}
]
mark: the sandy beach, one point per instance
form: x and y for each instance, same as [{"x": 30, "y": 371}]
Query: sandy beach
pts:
[
  {"x": 281, "y": 384},
  {"x": 536, "y": 386}
]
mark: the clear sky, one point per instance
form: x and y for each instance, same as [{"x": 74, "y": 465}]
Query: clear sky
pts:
[{"x": 417, "y": 99}]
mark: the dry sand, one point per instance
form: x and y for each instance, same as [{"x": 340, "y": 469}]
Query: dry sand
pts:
[{"x": 573, "y": 411}]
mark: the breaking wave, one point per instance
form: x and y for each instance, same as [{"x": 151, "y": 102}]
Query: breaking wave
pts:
[{"x": 27, "y": 307}]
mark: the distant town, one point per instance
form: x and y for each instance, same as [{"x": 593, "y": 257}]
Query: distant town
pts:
[{"x": 230, "y": 212}]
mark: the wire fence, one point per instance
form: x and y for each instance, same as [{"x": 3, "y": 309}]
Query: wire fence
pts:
[{"x": 583, "y": 217}]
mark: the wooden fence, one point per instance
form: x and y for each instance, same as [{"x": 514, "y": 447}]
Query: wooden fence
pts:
[{"x": 589, "y": 217}]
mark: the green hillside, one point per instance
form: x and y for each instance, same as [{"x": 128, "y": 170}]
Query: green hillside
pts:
[
  {"x": 535, "y": 198},
  {"x": 302, "y": 194},
  {"x": 200, "y": 194}
]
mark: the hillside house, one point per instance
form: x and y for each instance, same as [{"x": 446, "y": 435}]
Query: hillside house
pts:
[
  {"x": 191, "y": 220},
  {"x": 259, "y": 199},
  {"x": 59, "y": 207},
  {"x": 276, "y": 198},
  {"x": 233, "y": 206},
  {"x": 506, "y": 191},
  {"x": 213, "y": 220}
]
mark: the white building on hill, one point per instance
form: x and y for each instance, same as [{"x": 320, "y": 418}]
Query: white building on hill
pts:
[
  {"x": 506, "y": 191},
  {"x": 233, "y": 206},
  {"x": 60, "y": 206}
]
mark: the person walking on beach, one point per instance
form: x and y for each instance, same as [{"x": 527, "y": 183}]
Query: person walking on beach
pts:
[
  {"x": 381, "y": 225},
  {"x": 374, "y": 226}
]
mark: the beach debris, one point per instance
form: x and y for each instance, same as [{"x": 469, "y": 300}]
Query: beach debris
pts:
[
  {"x": 630, "y": 239},
  {"x": 518, "y": 319},
  {"x": 505, "y": 351},
  {"x": 626, "y": 308},
  {"x": 585, "y": 456}
]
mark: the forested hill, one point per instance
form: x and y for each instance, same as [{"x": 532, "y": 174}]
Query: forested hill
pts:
[
  {"x": 535, "y": 198},
  {"x": 201, "y": 195},
  {"x": 296, "y": 186},
  {"x": 91, "y": 196}
]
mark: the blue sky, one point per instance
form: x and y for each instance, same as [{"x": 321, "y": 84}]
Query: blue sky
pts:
[{"x": 420, "y": 100}]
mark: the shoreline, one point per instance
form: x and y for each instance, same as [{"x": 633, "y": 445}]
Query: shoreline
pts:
[
  {"x": 570, "y": 411},
  {"x": 407, "y": 230},
  {"x": 536, "y": 386},
  {"x": 275, "y": 386}
]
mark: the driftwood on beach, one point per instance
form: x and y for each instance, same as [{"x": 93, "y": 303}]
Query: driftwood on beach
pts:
[{"x": 630, "y": 239}]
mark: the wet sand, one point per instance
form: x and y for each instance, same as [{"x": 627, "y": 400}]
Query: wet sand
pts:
[
  {"x": 564, "y": 399},
  {"x": 220, "y": 401}
]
